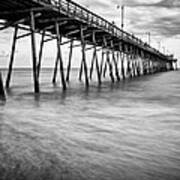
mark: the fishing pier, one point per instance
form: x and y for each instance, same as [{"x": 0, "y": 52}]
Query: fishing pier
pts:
[{"x": 57, "y": 19}]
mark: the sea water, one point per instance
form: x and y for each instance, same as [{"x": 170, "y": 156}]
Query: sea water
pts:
[{"x": 123, "y": 131}]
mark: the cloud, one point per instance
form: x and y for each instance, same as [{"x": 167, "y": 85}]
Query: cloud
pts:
[
  {"x": 153, "y": 3},
  {"x": 168, "y": 4},
  {"x": 160, "y": 17}
]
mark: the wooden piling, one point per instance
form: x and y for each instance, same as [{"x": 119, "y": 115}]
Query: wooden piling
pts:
[
  {"x": 55, "y": 69},
  {"x": 110, "y": 67},
  {"x": 133, "y": 68},
  {"x": 148, "y": 66},
  {"x": 108, "y": 61},
  {"x": 83, "y": 45},
  {"x": 115, "y": 62},
  {"x": 2, "y": 92},
  {"x": 69, "y": 63},
  {"x": 12, "y": 57},
  {"x": 105, "y": 69},
  {"x": 81, "y": 71},
  {"x": 122, "y": 60},
  {"x": 98, "y": 70},
  {"x": 102, "y": 63},
  {"x": 58, "y": 36},
  {"x": 96, "y": 58},
  {"x": 118, "y": 57},
  {"x": 138, "y": 69},
  {"x": 40, "y": 53},
  {"x": 34, "y": 57},
  {"x": 92, "y": 65},
  {"x": 133, "y": 60},
  {"x": 122, "y": 66},
  {"x": 130, "y": 67}
]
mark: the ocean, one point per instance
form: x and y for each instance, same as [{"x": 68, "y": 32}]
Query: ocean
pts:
[{"x": 124, "y": 131}]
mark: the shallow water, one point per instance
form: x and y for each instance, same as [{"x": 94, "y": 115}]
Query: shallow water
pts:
[{"x": 129, "y": 130}]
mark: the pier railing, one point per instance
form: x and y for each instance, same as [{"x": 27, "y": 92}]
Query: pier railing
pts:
[{"x": 73, "y": 9}]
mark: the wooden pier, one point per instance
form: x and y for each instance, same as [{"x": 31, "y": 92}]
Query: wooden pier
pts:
[{"x": 55, "y": 19}]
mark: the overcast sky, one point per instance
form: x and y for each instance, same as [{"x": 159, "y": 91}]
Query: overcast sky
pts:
[{"x": 160, "y": 17}]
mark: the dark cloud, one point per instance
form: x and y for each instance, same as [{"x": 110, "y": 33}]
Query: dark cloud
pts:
[
  {"x": 160, "y": 3},
  {"x": 168, "y": 4}
]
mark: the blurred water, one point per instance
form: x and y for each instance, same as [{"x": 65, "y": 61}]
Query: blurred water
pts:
[{"x": 129, "y": 130}]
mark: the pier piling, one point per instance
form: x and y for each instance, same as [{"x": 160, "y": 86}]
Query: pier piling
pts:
[
  {"x": 102, "y": 62},
  {"x": 58, "y": 36},
  {"x": 34, "y": 57},
  {"x": 96, "y": 58},
  {"x": 108, "y": 61},
  {"x": 55, "y": 69},
  {"x": 70, "y": 60},
  {"x": 40, "y": 53},
  {"x": 2, "y": 92},
  {"x": 83, "y": 46},
  {"x": 12, "y": 57},
  {"x": 115, "y": 62}
]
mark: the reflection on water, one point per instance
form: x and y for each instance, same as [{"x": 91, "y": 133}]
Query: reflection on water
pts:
[{"x": 129, "y": 130}]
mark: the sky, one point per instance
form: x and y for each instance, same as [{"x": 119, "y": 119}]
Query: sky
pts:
[{"x": 159, "y": 17}]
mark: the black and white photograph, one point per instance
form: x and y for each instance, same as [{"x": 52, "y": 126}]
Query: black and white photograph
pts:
[{"x": 89, "y": 90}]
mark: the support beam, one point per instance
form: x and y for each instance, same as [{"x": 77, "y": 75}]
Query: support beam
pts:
[
  {"x": 60, "y": 56},
  {"x": 122, "y": 66},
  {"x": 52, "y": 20},
  {"x": 138, "y": 68},
  {"x": 133, "y": 62},
  {"x": 110, "y": 67},
  {"x": 105, "y": 69},
  {"x": 23, "y": 36},
  {"x": 96, "y": 58},
  {"x": 19, "y": 21},
  {"x": 81, "y": 71},
  {"x": 122, "y": 60},
  {"x": 102, "y": 63},
  {"x": 131, "y": 66},
  {"x": 108, "y": 61},
  {"x": 70, "y": 59},
  {"x": 34, "y": 57},
  {"x": 40, "y": 54},
  {"x": 115, "y": 62},
  {"x": 118, "y": 57},
  {"x": 2, "y": 92},
  {"x": 22, "y": 11},
  {"x": 84, "y": 56},
  {"x": 49, "y": 39},
  {"x": 128, "y": 67},
  {"x": 55, "y": 69},
  {"x": 90, "y": 48},
  {"x": 92, "y": 65},
  {"x": 134, "y": 68},
  {"x": 12, "y": 57}
]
